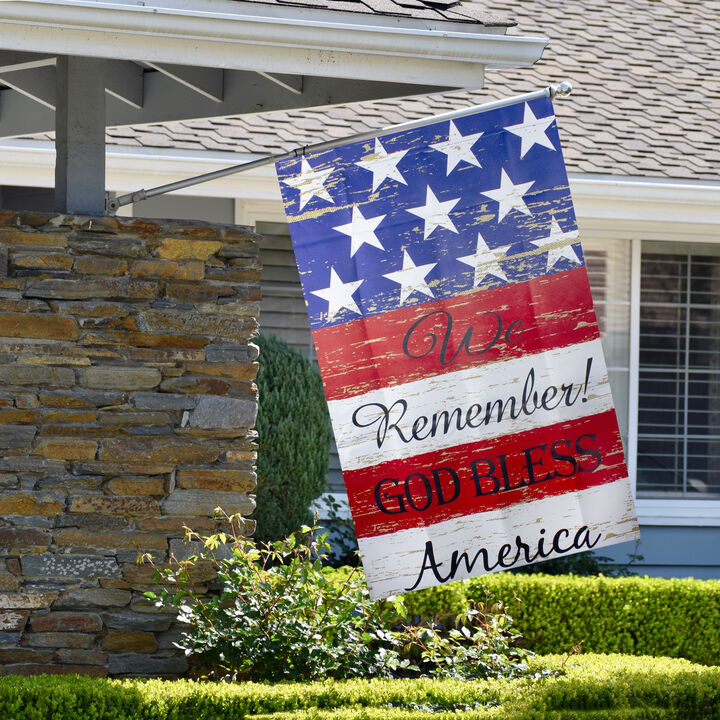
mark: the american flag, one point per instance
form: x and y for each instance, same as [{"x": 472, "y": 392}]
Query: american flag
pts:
[{"x": 456, "y": 336}]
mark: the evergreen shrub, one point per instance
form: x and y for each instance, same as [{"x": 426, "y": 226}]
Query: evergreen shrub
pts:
[
  {"x": 294, "y": 437},
  {"x": 597, "y": 687},
  {"x": 674, "y": 617},
  {"x": 670, "y": 617}
]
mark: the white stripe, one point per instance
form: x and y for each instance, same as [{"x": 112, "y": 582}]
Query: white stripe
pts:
[
  {"x": 360, "y": 447},
  {"x": 393, "y": 563}
]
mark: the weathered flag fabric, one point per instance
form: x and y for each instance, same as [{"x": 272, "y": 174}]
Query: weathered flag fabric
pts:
[{"x": 455, "y": 332}]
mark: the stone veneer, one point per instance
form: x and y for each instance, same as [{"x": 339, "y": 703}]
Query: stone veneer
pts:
[{"x": 126, "y": 408}]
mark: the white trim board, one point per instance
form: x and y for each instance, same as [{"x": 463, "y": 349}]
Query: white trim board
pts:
[
  {"x": 680, "y": 512},
  {"x": 647, "y": 208},
  {"x": 652, "y": 201},
  {"x": 676, "y": 513},
  {"x": 225, "y": 35}
]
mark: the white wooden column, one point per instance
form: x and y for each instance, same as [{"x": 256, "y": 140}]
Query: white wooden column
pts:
[{"x": 80, "y": 136}]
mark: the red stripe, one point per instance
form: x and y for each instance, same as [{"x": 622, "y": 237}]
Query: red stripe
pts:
[
  {"x": 523, "y": 318},
  {"x": 542, "y": 446}
]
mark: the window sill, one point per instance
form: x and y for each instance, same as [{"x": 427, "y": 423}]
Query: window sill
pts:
[
  {"x": 656, "y": 511},
  {"x": 678, "y": 511}
]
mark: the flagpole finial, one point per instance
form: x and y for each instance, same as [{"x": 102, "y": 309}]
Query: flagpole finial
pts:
[{"x": 561, "y": 90}]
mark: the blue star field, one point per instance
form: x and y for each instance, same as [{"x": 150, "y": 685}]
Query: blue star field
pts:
[{"x": 319, "y": 247}]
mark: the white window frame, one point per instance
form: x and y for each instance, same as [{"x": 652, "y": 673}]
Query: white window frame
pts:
[{"x": 686, "y": 512}]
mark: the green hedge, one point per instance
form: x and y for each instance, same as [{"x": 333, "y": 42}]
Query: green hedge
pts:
[
  {"x": 590, "y": 687},
  {"x": 633, "y": 615}
]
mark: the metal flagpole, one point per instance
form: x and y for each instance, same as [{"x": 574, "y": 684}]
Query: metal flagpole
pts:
[{"x": 113, "y": 204}]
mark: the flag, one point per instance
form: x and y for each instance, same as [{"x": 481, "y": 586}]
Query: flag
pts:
[{"x": 455, "y": 332}]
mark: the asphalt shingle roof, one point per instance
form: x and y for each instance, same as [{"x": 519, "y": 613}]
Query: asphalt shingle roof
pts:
[
  {"x": 449, "y": 10},
  {"x": 646, "y": 101}
]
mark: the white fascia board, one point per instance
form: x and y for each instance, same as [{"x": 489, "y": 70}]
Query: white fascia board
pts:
[
  {"x": 329, "y": 45},
  {"x": 625, "y": 203},
  {"x": 651, "y": 201}
]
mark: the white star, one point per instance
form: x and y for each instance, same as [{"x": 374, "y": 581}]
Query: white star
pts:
[
  {"x": 435, "y": 213},
  {"x": 383, "y": 165},
  {"x": 557, "y": 244},
  {"x": 310, "y": 183},
  {"x": 532, "y": 131},
  {"x": 339, "y": 295},
  {"x": 411, "y": 278},
  {"x": 361, "y": 231},
  {"x": 486, "y": 261},
  {"x": 509, "y": 196},
  {"x": 458, "y": 148}
]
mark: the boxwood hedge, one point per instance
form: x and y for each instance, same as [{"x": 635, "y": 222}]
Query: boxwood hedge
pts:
[
  {"x": 671, "y": 617},
  {"x": 613, "y": 687},
  {"x": 632, "y": 615}
]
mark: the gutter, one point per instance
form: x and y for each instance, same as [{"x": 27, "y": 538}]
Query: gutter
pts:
[
  {"x": 330, "y": 44},
  {"x": 651, "y": 200}
]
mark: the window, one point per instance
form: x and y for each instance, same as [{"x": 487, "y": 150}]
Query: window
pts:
[{"x": 679, "y": 371}]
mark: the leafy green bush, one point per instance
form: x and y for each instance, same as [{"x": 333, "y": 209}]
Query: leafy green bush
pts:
[
  {"x": 553, "y": 613},
  {"x": 634, "y": 615},
  {"x": 294, "y": 437},
  {"x": 584, "y": 563},
  {"x": 279, "y": 614},
  {"x": 597, "y": 687}
]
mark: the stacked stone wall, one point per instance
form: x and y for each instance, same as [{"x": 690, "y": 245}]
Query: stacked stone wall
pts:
[{"x": 127, "y": 405}]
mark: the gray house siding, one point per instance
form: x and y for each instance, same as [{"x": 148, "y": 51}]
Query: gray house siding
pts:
[{"x": 672, "y": 552}]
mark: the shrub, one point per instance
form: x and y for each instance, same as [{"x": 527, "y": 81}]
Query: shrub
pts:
[
  {"x": 294, "y": 438},
  {"x": 635, "y": 615},
  {"x": 584, "y": 563},
  {"x": 601, "y": 687},
  {"x": 279, "y": 614}
]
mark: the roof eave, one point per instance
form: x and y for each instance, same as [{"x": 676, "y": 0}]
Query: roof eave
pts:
[{"x": 332, "y": 44}]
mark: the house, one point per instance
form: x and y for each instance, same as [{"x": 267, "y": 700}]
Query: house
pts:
[
  {"x": 118, "y": 318},
  {"x": 641, "y": 134}
]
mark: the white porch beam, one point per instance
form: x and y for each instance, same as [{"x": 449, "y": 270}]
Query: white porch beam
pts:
[
  {"x": 330, "y": 44},
  {"x": 656, "y": 202},
  {"x": 667, "y": 207}
]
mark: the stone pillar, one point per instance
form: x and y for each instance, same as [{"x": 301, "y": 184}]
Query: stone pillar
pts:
[{"x": 127, "y": 405}]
